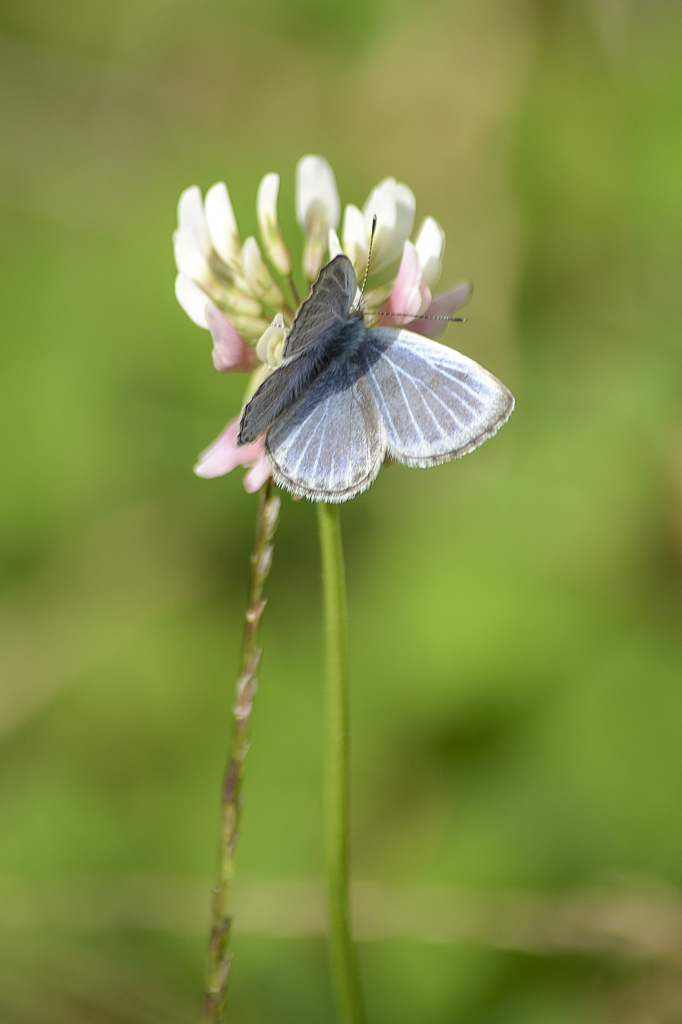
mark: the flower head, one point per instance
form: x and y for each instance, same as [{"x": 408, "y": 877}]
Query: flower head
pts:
[{"x": 243, "y": 292}]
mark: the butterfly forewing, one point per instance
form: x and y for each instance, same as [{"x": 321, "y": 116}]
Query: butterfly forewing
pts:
[
  {"x": 317, "y": 325},
  {"x": 275, "y": 394},
  {"x": 326, "y": 309},
  {"x": 330, "y": 444},
  {"x": 435, "y": 404}
]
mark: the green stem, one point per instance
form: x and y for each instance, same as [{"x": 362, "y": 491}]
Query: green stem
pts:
[
  {"x": 219, "y": 958},
  {"x": 344, "y": 961}
]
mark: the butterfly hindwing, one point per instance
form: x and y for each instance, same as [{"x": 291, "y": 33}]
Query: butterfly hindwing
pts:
[
  {"x": 421, "y": 402},
  {"x": 435, "y": 403},
  {"x": 330, "y": 444}
]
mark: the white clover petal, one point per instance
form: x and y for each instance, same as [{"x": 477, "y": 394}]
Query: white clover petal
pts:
[
  {"x": 269, "y": 348},
  {"x": 355, "y": 240},
  {"x": 430, "y": 246},
  {"x": 317, "y": 197},
  {"x": 189, "y": 255},
  {"x": 192, "y": 300},
  {"x": 394, "y": 204},
  {"x": 335, "y": 247},
  {"x": 191, "y": 215},
  {"x": 222, "y": 224},
  {"x": 238, "y": 301},
  {"x": 255, "y": 271},
  {"x": 268, "y": 222},
  {"x": 266, "y": 202},
  {"x": 375, "y": 297},
  {"x": 258, "y": 277},
  {"x": 313, "y": 253},
  {"x": 250, "y": 327}
]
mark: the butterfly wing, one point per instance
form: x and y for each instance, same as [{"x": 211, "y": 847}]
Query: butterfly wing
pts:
[
  {"x": 275, "y": 394},
  {"x": 326, "y": 309},
  {"x": 317, "y": 326},
  {"x": 435, "y": 403},
  {"x": 330, "y": 444}
]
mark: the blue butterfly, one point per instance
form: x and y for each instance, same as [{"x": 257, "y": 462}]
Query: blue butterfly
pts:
[{"x": 346, "y": 395}]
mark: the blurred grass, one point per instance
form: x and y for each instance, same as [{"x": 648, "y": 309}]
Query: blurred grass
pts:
[{"x": 516, "y": 653}]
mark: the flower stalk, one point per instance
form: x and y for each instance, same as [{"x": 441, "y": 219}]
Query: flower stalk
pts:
[
  {"x": 343, "y": 955},
  {"x": 219, "y": 957}
]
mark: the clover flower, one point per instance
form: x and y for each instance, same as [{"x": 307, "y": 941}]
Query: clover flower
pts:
[{"x": 244, "y": 294}]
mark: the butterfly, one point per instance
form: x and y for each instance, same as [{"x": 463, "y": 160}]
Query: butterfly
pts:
[{"x": 347, "y": 395}]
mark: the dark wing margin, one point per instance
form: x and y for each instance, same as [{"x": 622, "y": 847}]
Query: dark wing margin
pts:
[{"x": 326, "y": 308}]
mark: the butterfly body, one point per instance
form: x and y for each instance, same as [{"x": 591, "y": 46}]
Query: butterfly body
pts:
[{"x": 346, "y": 395}]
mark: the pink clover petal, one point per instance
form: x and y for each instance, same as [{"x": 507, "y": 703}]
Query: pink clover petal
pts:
[
  {"x": 230, "y": 351},
  {"x": 223, "y": 455},
  {"x": 256, "y": 477},
  {"x": 444, "y": 304},
  {"x": 410, "y": 294}
]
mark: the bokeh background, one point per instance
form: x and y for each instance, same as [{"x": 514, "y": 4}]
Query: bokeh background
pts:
[{"x": 516, "y": 644}]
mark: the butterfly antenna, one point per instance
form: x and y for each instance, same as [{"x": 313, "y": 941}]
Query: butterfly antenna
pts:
[
  {"x": 369, "y": 255},
  {"x": 422, "y": 316}
]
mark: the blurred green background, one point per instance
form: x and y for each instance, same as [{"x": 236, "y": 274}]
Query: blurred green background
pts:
[{"x": 516, "y": 644}]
